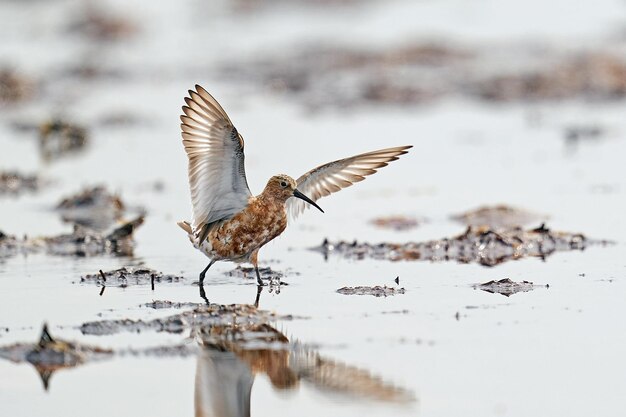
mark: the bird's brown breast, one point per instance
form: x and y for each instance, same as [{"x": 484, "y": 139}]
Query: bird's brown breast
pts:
[{"x": 261, "y": 221}]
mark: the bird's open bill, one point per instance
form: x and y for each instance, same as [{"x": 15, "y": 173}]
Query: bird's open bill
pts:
[{"x": 301, "y": 196}]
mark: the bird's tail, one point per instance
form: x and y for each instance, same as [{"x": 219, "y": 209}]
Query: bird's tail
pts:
[{"x": 187, "y": 228}]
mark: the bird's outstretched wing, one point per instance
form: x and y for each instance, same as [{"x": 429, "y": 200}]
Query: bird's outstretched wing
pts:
[
  {"x": 217, "y": 177},
  {"x": 334, "y": 176}
]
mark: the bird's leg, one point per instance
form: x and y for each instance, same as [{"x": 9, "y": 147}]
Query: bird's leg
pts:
[
  {"x": 203, "y": 295},
  {"x": 203, "y": 273},
  {"x": 253, "y": 260},
  {"x": 201, "y": 283},
  {"x": 259, "y": 281},
  {"x": 259, "y": 290}
]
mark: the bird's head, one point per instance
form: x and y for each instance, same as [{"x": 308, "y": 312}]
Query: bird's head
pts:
[{"x": 282, "y": 187}]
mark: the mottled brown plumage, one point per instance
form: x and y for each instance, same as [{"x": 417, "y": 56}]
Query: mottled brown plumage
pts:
[{"x": 229, "y": 223}]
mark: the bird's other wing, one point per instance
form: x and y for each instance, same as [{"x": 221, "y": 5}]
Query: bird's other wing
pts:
[
  {"x": 217, "y": 176},
  {"x": 334, "y": 176}
]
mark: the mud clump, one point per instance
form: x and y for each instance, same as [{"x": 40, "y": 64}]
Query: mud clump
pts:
[
  {"x": 497, "y": 217},
  {"x": 50, "y": 354},
  {"x": 14, "y": 183},
  {"x": 58, "y": 138},
  {"x": 345, "y": 77},
  {"x": 125, "y": 277},
  {"x": 397, "y": 223},
  {"x": 205, "y": 315},
  {"x": 103, "y": 26},
  {"x": 14, "y": 88},
  {"x": 482, "y": 245},
  {"x": 588, "y": 75},
  {"x": 507, "y": 287},
  {"x": 166, "y": 304},
  {"x": 266, "y": 273},
  {"x": 95, "y": 207},
  {"x": 81, "y": 242},
  {"x": 376, "y": 291}
]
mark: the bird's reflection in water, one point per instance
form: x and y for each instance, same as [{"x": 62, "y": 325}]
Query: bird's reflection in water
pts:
[{"x": 233, "y": 355}]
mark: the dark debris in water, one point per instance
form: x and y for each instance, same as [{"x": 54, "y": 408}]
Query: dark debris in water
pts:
[
  {"x": 507, "y": 287},
  {"x": 376, "y": 291},
  {"x": 94, "y": 207},
  {"x": 590, "y": 75},
  {"x": 482, "y": 245},
  {"x": 398, "y": 223},
  {"x": 498, "y": 217},
  {"x": 125, "y": 277},
  {"x": 345, "y": 77},
  {"x": 14, "y": 87},
  {"x": 50, "y": 354},
  {"x": 165, "y": 304},
  {"x": 59, "y": 137},
  {"x": 81, "y": 242},
  {"x": 267, "y": 274},
  {"x": 103, "y": 25},
  {"x": 198, "y": 317},
  {"x": 15, "y": 183}
]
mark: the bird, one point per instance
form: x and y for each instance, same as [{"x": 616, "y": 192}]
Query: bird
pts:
[{"x": 228, "y": 222}]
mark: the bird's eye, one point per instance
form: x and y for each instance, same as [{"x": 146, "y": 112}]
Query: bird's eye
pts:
[{"x": 283, "y": 184}]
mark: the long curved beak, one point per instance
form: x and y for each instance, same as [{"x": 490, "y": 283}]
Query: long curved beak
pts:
[{"x": 301, "y": 196}]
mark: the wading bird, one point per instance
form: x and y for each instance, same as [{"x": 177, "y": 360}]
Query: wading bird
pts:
[{"x": 229, "y": 223}]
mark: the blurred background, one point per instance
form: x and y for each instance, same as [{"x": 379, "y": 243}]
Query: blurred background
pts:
[{"x": 505, "y": 102}]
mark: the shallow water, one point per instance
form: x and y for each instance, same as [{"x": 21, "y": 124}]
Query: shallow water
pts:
[{"x": 550, "y": 351}]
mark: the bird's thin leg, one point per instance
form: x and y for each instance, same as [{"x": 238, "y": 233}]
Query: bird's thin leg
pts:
[
  {"x": 253, "y": 261},
  {"x": 201, "y": 283},
  {"x": 203, "y": 273},
  {"x": 259, "y": 281},
  {"x": 259, "y": 290},
  {"x": 203, "y": 295}
]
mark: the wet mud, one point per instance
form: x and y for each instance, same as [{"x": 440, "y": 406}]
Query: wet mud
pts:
[
  {"x": 59, "y": 138},
  {"x": 507, "y": 287},
  {"x": 13, "y": 183},
  {"x": 166, "y": 304},
  {"x": 81, "y": 242},
  {"x": 498, "y": 217},
  {"x": 201, "y": 316},
  {"x": 344, "y": 77},
  {"x": 397, "y": 223},
  {"x": 269, "y": 275},
  {"x": 481, "y": 245},
  {"x": 15, "y": 87},
  {"x": 95, "y": 207},
  {"x": 128, "y": 276},
  {"x": 50, "y": 354},
  {"x": 376, "y": 291}
]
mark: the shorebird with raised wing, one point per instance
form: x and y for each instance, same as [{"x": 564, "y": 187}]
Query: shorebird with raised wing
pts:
[{"x": 229, "y": 223}]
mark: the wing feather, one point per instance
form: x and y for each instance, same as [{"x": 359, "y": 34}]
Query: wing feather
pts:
[
  {"x": 217, "y": 177},
  {"x": 337, "y": 175}
]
